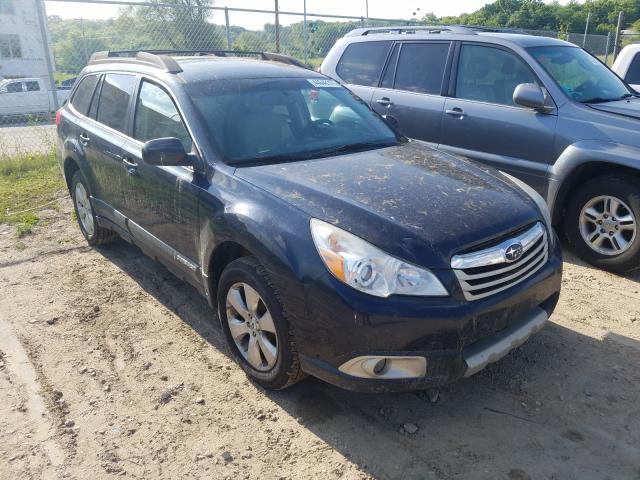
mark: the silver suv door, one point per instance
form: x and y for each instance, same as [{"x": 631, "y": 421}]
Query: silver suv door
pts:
[
  {"x": 411, "y": 88},
  {"x": 482, "y": 122},
  {"x": 360, "y": 67}
]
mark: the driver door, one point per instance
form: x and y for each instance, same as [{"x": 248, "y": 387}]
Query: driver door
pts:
[
  {"x": 481, "y": 121},
  {"x": 161, "y": 202}
]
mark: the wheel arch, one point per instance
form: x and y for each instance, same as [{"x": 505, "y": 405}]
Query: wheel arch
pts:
[
  {"x": 221, "y": 256},
  {"x": 583, "y": 161},
  {"x": 580, "y": 175},
  {"x": 70, "y": 166}
]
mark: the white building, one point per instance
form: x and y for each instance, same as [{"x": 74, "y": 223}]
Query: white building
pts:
[{"x": 22, "y": 51}]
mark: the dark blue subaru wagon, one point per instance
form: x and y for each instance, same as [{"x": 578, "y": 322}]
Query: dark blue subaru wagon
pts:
[{"x": 329, "y": 244}]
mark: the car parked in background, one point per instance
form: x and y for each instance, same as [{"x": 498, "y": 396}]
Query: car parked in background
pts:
[
  {"x": 627, "y": 65},
  {"x": 538, "y": 108},
  {"x": 24, "y": 96},
  {"x": 329, "y": 244}
]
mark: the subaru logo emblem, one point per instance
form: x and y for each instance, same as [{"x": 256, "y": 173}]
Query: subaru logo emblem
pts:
[{"x": 513, "y": 252}]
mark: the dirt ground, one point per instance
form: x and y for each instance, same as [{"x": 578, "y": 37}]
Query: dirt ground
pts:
[{"x": 111, "y": 366}]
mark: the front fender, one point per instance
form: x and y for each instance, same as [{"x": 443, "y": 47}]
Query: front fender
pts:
[
  {"x": 583, "y": 153},
  {"x": 273, "y": 231}
]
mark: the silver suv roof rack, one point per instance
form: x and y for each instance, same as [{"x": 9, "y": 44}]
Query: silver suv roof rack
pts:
[
  {"x": 163, "y": 58},
  {"x": 412, "y": 29}
]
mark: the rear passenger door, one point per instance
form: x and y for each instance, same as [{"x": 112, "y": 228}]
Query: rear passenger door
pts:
[
  {"x": 360, "y": 67},
  {"x": 102, "y": 137},
  {"x": 410, "y": 92},
  {"x": 482, "y": 122},
  {"x": 162, "y": 202}
]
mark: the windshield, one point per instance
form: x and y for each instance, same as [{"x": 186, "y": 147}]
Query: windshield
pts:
[
  {"x": 285, "y": 119},
  {"x": 580, "y": 75}
]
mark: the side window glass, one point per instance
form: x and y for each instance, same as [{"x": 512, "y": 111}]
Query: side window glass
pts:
[
  {"x": 114, "y": 100},
  {"x": 490, "y": 75},
  {"x": 33, "y": 86},
  {"x": 157, "y": 116},
  {"x": 361, "y": 63},
  {"x": 83, "y": 94},
  {"x": 421, "y": 67},
  {"x": 14, "y": 87},
  {"x": 387, "y": 79},
  {"x": 633, "y": 74}
]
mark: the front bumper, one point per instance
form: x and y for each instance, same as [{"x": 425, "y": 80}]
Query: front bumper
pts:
[{"x": 457, "y": 337}]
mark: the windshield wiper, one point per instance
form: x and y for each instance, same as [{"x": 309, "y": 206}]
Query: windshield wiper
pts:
[
  {"x": 605, "y": 100},
  {"x": 325, "y": 152},
  {"x": 349, "y": 148}
]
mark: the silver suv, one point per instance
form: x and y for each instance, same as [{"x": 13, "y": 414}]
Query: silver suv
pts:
[{"x": 538, "y": 108}]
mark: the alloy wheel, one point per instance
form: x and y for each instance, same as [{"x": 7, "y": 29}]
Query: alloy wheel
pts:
[
  {"x": 608, "y": 225},
  {"x": 252, "y": 327},
  {"x": 83, "y": 208}
]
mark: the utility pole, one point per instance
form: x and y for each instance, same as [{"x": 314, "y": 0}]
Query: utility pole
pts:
[
  {"x": 366, "y": 9},
  {"x": 47, "y": 52},
  {"x": 277, "y": 29},
  {"x": 586, "y": 29},
  {"x": 615, "y": 43}
]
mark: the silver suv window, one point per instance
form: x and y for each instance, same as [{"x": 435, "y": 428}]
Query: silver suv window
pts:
[
  {"x": 421, "y": 67},
  {"x": 490, "y": 74},
  {"x": 361, "y": 63}
]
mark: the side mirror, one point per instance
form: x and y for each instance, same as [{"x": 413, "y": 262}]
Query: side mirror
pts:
[
  {"x": 530, "y": 95},
  {"x": 165, "y": 152}
]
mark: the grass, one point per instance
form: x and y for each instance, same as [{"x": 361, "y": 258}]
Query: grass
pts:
[
  {"x": 60, "y": 77},
  {"x": 26, "y": 183}
]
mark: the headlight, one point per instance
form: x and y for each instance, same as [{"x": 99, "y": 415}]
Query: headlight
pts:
[
  {"x": 537, "y": 198},
  {"x": 367, "y": 268}
]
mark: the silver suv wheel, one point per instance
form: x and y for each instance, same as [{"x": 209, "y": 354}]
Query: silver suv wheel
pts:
[{"x": 607, "y": 225}]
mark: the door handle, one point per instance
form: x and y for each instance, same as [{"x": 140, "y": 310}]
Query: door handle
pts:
[
  {"x": 384, "y": 101},
  {"x": 84, "y": 139},
  {"x": 456, "y": 112},
  {"x": 130, "y": 165}
]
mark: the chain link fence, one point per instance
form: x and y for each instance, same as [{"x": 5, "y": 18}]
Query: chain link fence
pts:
[{"x": 34, "y": 86}]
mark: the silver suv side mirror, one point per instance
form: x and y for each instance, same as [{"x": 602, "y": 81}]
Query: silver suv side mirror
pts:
[{"x": 530, "y": 95}]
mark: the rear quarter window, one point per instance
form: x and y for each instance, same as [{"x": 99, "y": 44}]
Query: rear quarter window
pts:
[
  {"x": 82, "y": 97},
  {"x": 633, "y": 74},
  {"x": 362, "y": 63}
]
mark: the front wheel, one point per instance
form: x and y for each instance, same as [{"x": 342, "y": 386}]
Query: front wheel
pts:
[
  {"x": 601, "y": 223},
  {"x": 256, "y": 326}
]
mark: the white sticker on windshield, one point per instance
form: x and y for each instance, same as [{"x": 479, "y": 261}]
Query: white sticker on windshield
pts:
[{"x": 323, "y": 82}]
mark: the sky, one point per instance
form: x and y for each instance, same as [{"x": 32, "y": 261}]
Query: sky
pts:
[{"x": 377, "y": 9}]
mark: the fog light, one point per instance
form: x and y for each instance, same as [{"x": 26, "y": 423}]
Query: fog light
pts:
[{"x": 374, "y": 366}]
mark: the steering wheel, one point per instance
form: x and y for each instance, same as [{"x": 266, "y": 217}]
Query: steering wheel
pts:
[{"x": 318, "y": 127}]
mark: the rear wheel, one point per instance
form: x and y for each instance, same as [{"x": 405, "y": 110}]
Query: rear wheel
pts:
[
  {"x": 256, "y": 326},
  {"x": 601, "y": 223},
  {"x": 92, "y": 232}
]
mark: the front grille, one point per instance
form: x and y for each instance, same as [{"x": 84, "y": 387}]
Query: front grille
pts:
[{"x": 485, "y": 272}]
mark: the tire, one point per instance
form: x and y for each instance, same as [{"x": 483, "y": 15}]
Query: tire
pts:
[
  {"x": 93, "y": 233},
  {"x": 588, "y": 206},
  {"x": 239, "y": 277}
]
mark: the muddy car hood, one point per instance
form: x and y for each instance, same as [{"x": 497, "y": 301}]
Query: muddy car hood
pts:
[
  {"x": 414, "y": 202},
  {"x": 627, "y": 108}
]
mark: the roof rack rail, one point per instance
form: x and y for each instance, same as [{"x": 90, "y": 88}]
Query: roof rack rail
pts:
[
  {"x": 480, "y": 28},
  {"x": 412, "y": 29},
  {"x": 162, "y": 58}
]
